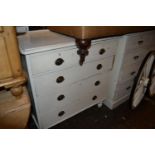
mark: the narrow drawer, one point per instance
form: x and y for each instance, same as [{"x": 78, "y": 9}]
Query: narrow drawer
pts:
[
  {"x": 129, "y": 72},
  {"x": 60, "y": 59},
  {"x": 123, "y": 89},
  {"x": 103, "y": 49},
  {"x": 139, "y": 40},
  {"x": 53, "y": 60}
]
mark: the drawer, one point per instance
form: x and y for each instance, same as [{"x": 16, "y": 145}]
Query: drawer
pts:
[
  {"x": 139, "y": 40},
  {"x": 52, "y": 114},
  {"x": 129, "y": 72},
  {"x": 135, "y": 56},
  {"x": 102, "y": 49},
  {"x": 60, "y": 59},
  {"x": 53, "y": 60},
  {"x": 123, "y": 89}
]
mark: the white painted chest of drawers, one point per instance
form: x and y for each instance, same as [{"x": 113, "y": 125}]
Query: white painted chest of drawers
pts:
[
  {"x": 132, "y": 49},
  {"x": 60, "y": 88}
]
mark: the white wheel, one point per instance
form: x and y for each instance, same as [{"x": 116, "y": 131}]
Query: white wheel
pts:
[
  {"x": 142, "y": 80},
  {"x": 151, "y": 90}
]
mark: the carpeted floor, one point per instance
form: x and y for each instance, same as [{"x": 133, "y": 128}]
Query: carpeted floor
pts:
[{"x": 120, "y": 118}]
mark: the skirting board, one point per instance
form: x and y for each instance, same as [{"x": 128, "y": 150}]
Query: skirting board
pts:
[{"x": 113, "y": 104}]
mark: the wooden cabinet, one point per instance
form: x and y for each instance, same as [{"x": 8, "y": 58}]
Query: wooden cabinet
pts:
[
  {"x": 1, "y": 28},
  {"x": 11, "y": 73}
]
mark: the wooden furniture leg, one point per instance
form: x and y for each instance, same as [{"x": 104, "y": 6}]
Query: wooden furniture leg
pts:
[{"x": 83, "y": 45}]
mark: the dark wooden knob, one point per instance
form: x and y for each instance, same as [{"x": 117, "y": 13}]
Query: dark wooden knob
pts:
[
  {"x": 61, "y": 113},
  {"x": 102, "y": 51},
  {"x": 140, "y": 42},
  {"x": 97, "y": 83},
  {"x": 60, "y": 97},
  {"x": 128, "y": 88},
  {"x": 94, "y": 97},
  {"x": 99, "y": 66},
  {"x": 60, "y": 79},
  {"x": 59, "y": 61},
  {"x": 136, "y": 57},
  {"x": 132, "y": 73}
]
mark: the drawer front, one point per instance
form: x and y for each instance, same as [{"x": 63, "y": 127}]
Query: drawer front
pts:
[
  {"x": 129, "y": 72},
  {"x": 135, "y": 56},
  {"x": 139, "y": 40},
  {"x": 103, "y": 49},
  {"x": 123, "y": 89},
  {"x": 50, "y": 61},
  {"x": 62, "y": 59},
  {"x": 77, "y": 96}
]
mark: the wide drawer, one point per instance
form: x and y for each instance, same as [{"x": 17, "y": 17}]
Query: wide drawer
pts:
[
  {"x": 136, "y": 55},
  {"x": 123, "y": 89},
  {"x": 139, "y": 40},
  {"x": 129, "y": 72},
  {"x": 60, "y": 59}
]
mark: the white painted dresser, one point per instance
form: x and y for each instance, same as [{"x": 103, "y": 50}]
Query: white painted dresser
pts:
[{"x": 61, "y": 88}]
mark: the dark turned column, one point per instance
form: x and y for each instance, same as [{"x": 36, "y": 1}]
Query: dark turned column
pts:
[{"x": 83, "y": 46}]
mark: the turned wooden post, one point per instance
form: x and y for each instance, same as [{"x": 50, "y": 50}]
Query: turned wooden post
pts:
[{"x": 83, "y": 46}]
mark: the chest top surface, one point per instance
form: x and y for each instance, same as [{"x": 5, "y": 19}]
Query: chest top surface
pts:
[{"x": 37, "y": 41}]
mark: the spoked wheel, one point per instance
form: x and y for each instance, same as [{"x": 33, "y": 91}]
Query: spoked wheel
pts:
[
  {"x": 151, "y": 90},
  {"x": 142, "y": 80}
]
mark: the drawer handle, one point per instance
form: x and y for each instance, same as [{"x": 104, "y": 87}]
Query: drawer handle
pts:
[
  {"x": 61, "y": 113},
  {"x": 140, "y": 42},
  {"x": 132, "y": 73},
  {"x": 128, "y": 88},
  {"x": 99, "y": 66},
  {"x": 102, "y": 51},
  {"x": 60, "y": 79},
  {"x": 136, "y": 57},
  {"x": 60, "y": 97},
  {"x": 94, "y": 97},
  {"x": 59, "y": 61},
  {"x": 97, "y": 83}
]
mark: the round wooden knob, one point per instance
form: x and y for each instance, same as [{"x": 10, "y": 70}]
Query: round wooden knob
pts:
[
  {"x": 59, "y": 61},
  {"x": 102, "y": 51},
  {"x": 97, "y": 83},
  {"x": 60, "y": 97},
  {"x": 94, "y": 97},
  {"x": 61, "y": 113},
  {"x": 17, "y": 91},
  {"x": 99, "y": 66},
  {"x": 60, "y": 79}
]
